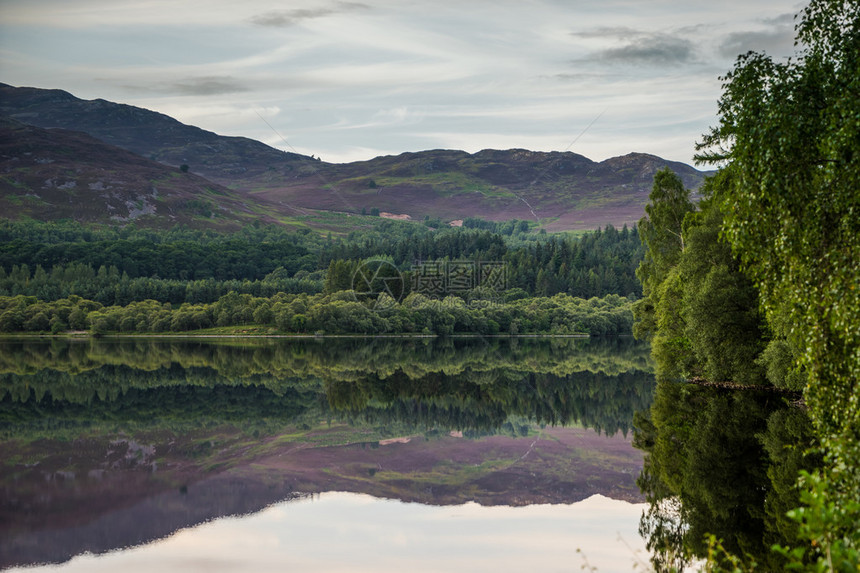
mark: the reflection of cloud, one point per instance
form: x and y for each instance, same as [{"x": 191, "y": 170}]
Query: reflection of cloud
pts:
[
  {"x": 386, "y": 536},
  {"x": 655, "y": 50},
  {"x": 778, "y": 40},
  {"x": 286, "y": 18}
]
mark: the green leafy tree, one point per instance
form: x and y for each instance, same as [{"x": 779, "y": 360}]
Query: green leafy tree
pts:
[
  {"x": 720, "y": 306},
  {"x": 789, "y": 134},
  {"x": 661, "y": 229}
]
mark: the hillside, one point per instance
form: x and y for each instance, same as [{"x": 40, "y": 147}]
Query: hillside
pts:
[
  {"x": 153, "y": 135},
  {"x": 561, "y": 190},
  {"x": 59, "y": 174}
]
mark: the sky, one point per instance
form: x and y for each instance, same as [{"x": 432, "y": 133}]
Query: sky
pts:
[{"x": 347, "y": 81}]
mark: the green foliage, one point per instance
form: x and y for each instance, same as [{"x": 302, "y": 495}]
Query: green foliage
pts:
[
  {"x": 179, "y": 265},
  {"x": 720, "y": 305},
  {"x": 786, "y": 201},
  {"x": 780, "y": 359},
  {"x": 701, "y": 312},
  {"x": 567, "y": 275},
  {"x": 791, "y": 131},
  {"x": 661, "y": 232},
  {"x": 342, "y": 312},
  {"x": 821, "y": 521}
]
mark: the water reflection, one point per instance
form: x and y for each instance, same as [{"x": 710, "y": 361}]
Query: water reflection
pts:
[
  {"x": 112, "y": 443},
  {"x": 723, "y": 462},
  {"x": 337, "y": 531}
]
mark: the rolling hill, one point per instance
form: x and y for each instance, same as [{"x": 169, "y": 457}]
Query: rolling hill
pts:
[
  {"x": 560, "y": 190},
  {"x": 60, "y": 174}
]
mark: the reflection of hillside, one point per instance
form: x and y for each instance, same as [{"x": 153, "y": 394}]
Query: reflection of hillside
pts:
[
  {"x": 405, "y": 386},
  {"x": 115, "y": 443},
  {"x": 85, "y": 508}
]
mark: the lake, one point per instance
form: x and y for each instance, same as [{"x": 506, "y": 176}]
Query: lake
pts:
[{"x": 322, "y": 454}]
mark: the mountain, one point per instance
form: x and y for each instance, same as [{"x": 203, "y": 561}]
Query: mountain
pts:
[
  {"x": 153, "y": 135},
  {"x": 60, "y": 174},
  {"x": 561, "y": 190}
]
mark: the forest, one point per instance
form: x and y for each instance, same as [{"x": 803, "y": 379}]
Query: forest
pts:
[
  {"x": 59, "y": 277},
  {"x": 751, "y": 304}
]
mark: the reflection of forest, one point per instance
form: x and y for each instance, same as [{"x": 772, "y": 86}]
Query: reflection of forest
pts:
[
  {"x": 722, "y": 462},
  {"x": 454, "y": 384},
  {"x": 111, "y": 443}
]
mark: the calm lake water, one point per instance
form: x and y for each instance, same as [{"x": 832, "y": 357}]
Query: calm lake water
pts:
[{"x": 321, "y": 454}]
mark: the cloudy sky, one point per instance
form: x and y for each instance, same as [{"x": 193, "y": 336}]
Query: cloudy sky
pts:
[{"x": 351, "y": 80}]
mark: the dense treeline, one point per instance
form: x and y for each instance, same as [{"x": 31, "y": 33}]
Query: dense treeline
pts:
[
  {"x": 596, "y": 264},
  {"x": 702, "y": 315},
  {"x": 758, "y": 288},
  {"x": 599, "y": 263},
  {"x": 108, "y": 286},
  {"x": 338, "y": 313},
  {"x": 118, "y": 266},
  {"x": 232, "y": 257},
  {"x": 700, "y": 311}
]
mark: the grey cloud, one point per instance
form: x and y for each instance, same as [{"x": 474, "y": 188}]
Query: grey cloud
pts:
[
  {"x": 207, "y": 86},
  {"x": 777, "y": 41},
  {"x": 787, "y": 19},
  {"x": 578, "y": 77},
  {"x": 652, "y": 50},
  {"x": 620, "y": 32},
  {"x": 286, "y": 18},
  {"x": 199, "y": 86}
]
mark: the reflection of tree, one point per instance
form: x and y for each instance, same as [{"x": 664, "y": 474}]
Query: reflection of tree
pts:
[
  {"x": 340, "y": 359},
  {"x": 479, "y": 402},
  {"x": 720, "y": 462},
  {"x": 418, "y": 385}
]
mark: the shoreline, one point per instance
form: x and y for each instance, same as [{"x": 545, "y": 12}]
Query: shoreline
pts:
[{"x": 87, "y": 335}]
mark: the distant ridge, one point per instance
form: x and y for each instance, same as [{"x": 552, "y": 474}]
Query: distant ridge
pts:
[
  {"x": 561, "y": 190},
  {"x": 151, "y": 134},
  {"x": 59, "y": 174}
]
